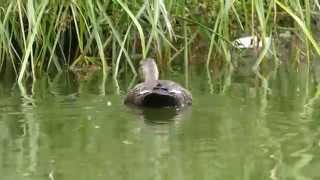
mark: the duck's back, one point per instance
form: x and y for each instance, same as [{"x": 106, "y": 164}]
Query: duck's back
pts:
[{"x": 160, "y": 93}]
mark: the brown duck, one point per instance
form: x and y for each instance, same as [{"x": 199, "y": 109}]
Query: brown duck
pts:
[{"x": 157, "y": 93}]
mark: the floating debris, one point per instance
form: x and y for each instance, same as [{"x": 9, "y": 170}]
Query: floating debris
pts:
[
  {"x": 51, "y": 175},
  {"x": 26, "y": 174},
  {"x": 126, "y": 142},
  {"x": 88, "y": 107}
]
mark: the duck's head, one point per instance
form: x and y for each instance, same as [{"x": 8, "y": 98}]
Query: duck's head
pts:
[{"x": 149, "y": 70}]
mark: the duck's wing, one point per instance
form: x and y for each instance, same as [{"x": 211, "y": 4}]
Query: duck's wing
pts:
[
  {"x": 163, "y": 88},
  {"x": 177, "y": 90},
  {"x": 133, "y": 95}
]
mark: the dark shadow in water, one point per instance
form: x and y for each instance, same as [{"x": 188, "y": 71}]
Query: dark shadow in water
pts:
[
  {"x": 64, "y": 83},
  {"x": 156, "y": 116},
  {"x": 159, "y": 115},
  {"x": 163, "y": 115}
]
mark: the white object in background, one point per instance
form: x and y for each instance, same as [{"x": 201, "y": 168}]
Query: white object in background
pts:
[{"x": 249, "y": 42}]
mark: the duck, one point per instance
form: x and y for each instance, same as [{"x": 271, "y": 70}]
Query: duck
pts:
[{"x": 156, "y": 93}]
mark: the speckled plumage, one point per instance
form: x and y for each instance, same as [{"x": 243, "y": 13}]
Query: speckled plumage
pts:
[{"x": 162, "y": 90}]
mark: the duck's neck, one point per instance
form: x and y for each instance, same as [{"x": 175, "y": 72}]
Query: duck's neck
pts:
[{"x": 150, "y": 71}]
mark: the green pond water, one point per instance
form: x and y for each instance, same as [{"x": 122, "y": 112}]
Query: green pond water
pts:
[{"x": 61, "y": 129}]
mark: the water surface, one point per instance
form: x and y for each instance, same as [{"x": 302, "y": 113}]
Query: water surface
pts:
[{"x": 63, "y": 129}]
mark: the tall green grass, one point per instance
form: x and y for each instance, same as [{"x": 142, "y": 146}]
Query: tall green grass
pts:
[{"x": 46, "y": 36}]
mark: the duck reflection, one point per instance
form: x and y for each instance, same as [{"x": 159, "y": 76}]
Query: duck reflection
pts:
[
  {"x": 154, "y": 116},
  {"x": 160, "y": 116}
]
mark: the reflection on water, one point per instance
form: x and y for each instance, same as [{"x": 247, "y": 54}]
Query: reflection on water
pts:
[
  {"x": 267, "y": 128},
  {"x": 161, "y": 115}
]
